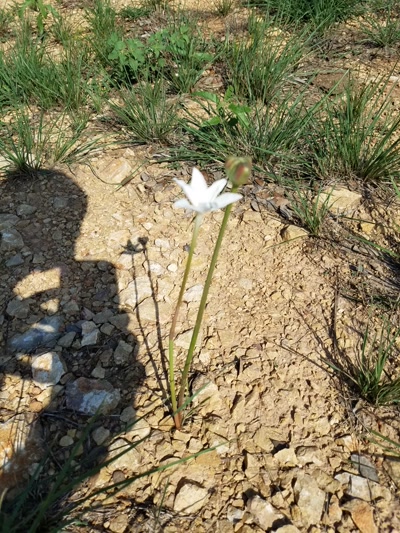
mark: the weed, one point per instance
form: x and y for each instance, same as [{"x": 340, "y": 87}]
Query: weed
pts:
[
  {"x": 224, "y": 7},
  {"x": 134, "y": 13},
  {"x": 270, "y": 135},
  {"x": 147, "y": 113},
  {"x": 102, "y": 19},
  {"x": 311, "y": 209},
  {"x": 320, "y": 14},
  {"x": 43, "y": 10},
  {"x": 29, "y": 145},
  {"x": 186, "y": 54},
  {"x": 384, "y": 32},
  {"x": 258, "y": 69},
  {"x": 6, "y": 16},
  {"x": 374, "y": 372},
  {"x": 356, "y": 134},
  {"x": 63, "y": 32}
]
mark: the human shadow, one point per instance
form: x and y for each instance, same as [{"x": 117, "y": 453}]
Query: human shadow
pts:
[{"x": 63, "y": 334}]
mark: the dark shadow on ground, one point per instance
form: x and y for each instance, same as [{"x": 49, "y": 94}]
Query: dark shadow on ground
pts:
[{"x": 50, "y": 302}]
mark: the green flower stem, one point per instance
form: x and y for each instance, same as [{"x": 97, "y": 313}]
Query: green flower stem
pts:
[
  {"x": 197, "y": 224},
  {"x": 199, "y": 319}
]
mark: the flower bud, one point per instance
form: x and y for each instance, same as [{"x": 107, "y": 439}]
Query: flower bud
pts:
[{"x": 238, "y": 170}]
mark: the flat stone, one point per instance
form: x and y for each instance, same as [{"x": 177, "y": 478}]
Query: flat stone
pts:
[
  {"x": 103, "y": 316},
  {"x": 139, "y": 430},
  {"x": 310, "y": 499},
  {"x": 100, "y": 435},
  {"x": 163, "y": 244},
  {"x": 7, "y": 220},
  {"x": 18, "y": 308},
  {"x": 123, "y": 353},
  {"x": 151, "y": 311},
  {"x": 262, "y": 440},
  {"x": 193, "y": 294},
  {"x": 66, "y": 340},
  {"x": 190, "y": 498},
  {"x": 71, "y": 308},
  {"x": 66, "y": 441},
  {"x": 128, "y": 415},
  {"x": 293, "y": 232},
  {"x": 89, "y": 396},
  {"x": 15, "y": 260},
  {"x": 60, "y": 202},
  {"x": 114, "y": 171},
  {"x": 362, "y": 515},
  {"x": 107, "y": 329},
  {"x": 121, "y": 321},
  {"x": 119, "y": 524},
  {"x": 286, "y": 457},
  {"x": 365, "y": 467},
  {"x": 183, "y": 339},
  {"x": 156, "y": 268},
  {"x": 341, "y": 200},
  {"x": 91, "y": 339},
  {"x": 356, "y": 486},
  {"x": 26, "y": 210},
  {"x": 264, "y": 514},
  {"x": 44, "y": 333},
  {"x": 11, "y": 240},
  {"x": 47, "y": 369},
  {"x": 137, "y": 291},
  {"x": 98, "y": 372},
  {"x": 131, "y": 459},
  {"x": 234, "y": 515}
]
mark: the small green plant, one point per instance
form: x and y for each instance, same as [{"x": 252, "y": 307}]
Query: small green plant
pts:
[
  {"x": 383, "y": 29},
  {"x": 6, "y": 17},
  {"x": 43, "y": 10},
  {"x": 224, "y": 7},
  {"x": 311, "y": 209},
  {"x": 102, "y": 19},
  {"x": 30, "y": 144},
  {"x": 147, "y": 113},
  {"x": 186, "y": 55},
  {"x": 271, "y": 136},
  {"x": 356, "y": 134},
  {"x": 258, "y": 68},
  {"x": 375, "y": 373},
  {"x": 134, "y": 13},
  {"x": 201, "y": 199},
  {"x": 320, "y": 14}
]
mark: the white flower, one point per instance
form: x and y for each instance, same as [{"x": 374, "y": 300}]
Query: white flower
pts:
[{"x": 203, "y": 199}]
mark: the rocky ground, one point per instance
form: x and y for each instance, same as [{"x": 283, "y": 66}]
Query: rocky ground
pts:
[{"x": 89, "y": 277}]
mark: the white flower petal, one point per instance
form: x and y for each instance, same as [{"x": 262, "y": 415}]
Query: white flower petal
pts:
[
  {"x": 215, "y": 189},
  {"x": 198, "y": 183},
  {"x": 187, "y": 189},
  {"x": 184, "y": 204},
  {"x": 226, "y": 199}
]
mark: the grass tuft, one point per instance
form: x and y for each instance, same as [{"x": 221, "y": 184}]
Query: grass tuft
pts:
[
  {"x": 147, "y": 113},
  {"x": 355, "y": 134},
  {"x": 259, "y": 68}
]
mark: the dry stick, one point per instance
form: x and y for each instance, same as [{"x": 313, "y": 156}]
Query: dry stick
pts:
[
  {"x": 197, "y": 224},
  {"x": 203, "y": 302}
]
